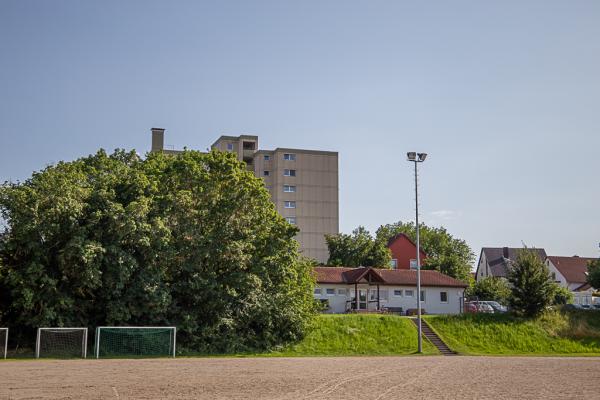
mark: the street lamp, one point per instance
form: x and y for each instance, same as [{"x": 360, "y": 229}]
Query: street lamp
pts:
[{"x": 417, "y": 158}]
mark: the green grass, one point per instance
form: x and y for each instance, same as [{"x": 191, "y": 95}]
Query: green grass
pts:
[
  {"x": 348, "y": 335},
  {"x": 358, "y": 335},
  {"x": 554, "y": 333}
]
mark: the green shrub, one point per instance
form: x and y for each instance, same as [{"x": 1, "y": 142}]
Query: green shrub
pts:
[{"x": 191, "y": 240}]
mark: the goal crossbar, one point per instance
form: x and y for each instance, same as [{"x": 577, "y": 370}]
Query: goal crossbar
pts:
[
  {"x": 62, "y": 329},
  {"x": 5, "y": 344},
  {"x": 100, "y": 328}
]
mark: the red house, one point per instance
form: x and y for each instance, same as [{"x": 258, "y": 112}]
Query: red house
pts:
[{"x": 404, "y": 252}]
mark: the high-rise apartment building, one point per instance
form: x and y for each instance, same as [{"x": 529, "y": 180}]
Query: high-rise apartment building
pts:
[{"x": 303, "y": 185}]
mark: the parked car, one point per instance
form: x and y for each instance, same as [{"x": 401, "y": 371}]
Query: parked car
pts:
[
  {"x": 571, "y": 307},
  {"x": 478, "y": 307},
  {"x": 498, "y": 308}
]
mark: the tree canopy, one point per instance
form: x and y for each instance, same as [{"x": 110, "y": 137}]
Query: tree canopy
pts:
[
  {"x": 445, "y": 253},
  {"x": 191, "y": 240},
  {"x": 357, "y": 249},
  {"x": 491, "y": 288},
  {"x": 593, "y": 276},
  {"x": 532, "y": 289}
]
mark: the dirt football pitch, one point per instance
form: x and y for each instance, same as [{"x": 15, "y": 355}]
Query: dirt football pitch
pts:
[{"x": 367, "y": 378}]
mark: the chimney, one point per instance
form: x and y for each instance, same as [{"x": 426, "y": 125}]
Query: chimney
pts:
[
  {"x": 505, "y": 252},
  {"x": 158, "y": 139}
]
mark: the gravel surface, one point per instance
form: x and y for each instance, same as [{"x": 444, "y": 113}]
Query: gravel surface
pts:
[{"x": 365, "y": 378}]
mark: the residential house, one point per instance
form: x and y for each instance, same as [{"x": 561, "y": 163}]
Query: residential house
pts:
[
  {"x": 378, "y": 288},
  {"x": 404, "y": 252},
  {"x": 495, "y": 261},
  {"x": 571, "y": 273}
]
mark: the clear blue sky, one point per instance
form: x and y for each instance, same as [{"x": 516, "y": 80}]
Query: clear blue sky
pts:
[{"x": 504, "y": 96}]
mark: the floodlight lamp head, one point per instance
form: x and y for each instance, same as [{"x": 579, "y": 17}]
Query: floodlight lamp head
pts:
[
  {"x": 422, "y": 156},
  {"x": 411, "y": 156}
]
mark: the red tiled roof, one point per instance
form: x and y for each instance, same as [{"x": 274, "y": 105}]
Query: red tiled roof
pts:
[
  {"x": 572, "y": 268},
  {"x": 389, "y": 276}
]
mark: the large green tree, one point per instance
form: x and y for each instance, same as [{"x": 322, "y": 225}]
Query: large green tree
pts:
[
  {"x": 532, "y": 289},
  {"x": 593, "y": 276},
  {"x": 491, "y": 288},
  {"x": 191, "y": 240},
  {"x": 445, "y": 253},
  {"x": 357, "y": 249}
]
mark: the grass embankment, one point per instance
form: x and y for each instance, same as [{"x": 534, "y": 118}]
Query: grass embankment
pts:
[
  {"x": 554, "y": 333},
  {"x": 353, "y": 335}
]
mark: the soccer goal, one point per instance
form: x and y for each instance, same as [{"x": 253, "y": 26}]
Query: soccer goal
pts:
[
  {"x": 4, "y": 341},
  {"x": 135, "y": 341},
  {"x": 61, "y": 342}
]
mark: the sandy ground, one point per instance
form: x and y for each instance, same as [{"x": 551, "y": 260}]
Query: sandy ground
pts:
[{"x": 371, "y": 378}]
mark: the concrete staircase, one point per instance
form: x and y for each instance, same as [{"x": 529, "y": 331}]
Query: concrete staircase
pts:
[{"x": 434, "y": 338}]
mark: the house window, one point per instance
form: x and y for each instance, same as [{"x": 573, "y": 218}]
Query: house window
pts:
[
  {"x": 317, "y": 291},
  {"x": 398, "y": 293},
  {"x": 266, "y": 173},
  {"x": 290, "y": 204},
  {"x": 413, "y": 264},
  {"x": 394, "y": 263},
  {"x": 289, "y": 172},
  {"x": 330, "y": 292},
  {"x": 289, "y": 156},
  {"x": 383, "y": 294},
  {"x": 342, "y": 292},
  {"x": 423, "y": 296},
  {"x": 291, "y": 220},
  {"x": 444, "y": 297},
  {"x": 230, "y": 146},
  {"x": 554, "y": 276},
  {"x": 267, "y": 157},
  {"x": 409, "y": 293},
  {"x": 289, "y": 189}
]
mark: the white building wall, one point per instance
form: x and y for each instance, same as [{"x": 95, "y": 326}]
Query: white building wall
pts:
[
  {"x": 558, "y": 277},
  {"x": 339, "y": 302},
  {"x": 482, "y": 269},
  {"x": 582, "y": 297}
]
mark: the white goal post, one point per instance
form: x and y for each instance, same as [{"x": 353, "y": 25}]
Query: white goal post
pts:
[
  {"x": 136, "y": 341},
  {"x": 4, "y": 340},
  {"x": 61, "y": 342}
]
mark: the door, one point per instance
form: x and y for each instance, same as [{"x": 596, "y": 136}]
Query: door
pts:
[{"x": 362, "y": 299}]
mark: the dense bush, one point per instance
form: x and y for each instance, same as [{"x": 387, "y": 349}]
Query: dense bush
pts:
[
  {"x": 490, "y": 288},
  {"x": 532, "y": 289},
  {"x": 593, "y": 276},
  {"x": 191, "y": 240},
  {"x": 562, "y": 295}
]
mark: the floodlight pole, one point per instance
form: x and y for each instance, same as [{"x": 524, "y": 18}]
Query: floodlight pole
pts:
[{"x": 417, "y": 158}]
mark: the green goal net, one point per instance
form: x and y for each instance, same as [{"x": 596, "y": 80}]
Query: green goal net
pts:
[
  {"x": 61, "y": 342},
  {"x": 134, "y": 341}
]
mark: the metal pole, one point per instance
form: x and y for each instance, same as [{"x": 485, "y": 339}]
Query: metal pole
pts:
[
  {"x": 37, "y": 344},
  {"x": 6, "y": 344},
  {"x": 420, "y": 339},
  {"x": 174, "y": 340},
  {"x": 85, "y": 343},
  {"x": 97, "y": 340}
]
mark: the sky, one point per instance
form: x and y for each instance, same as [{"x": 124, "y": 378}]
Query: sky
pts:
[{"x": 503, "y": 96}]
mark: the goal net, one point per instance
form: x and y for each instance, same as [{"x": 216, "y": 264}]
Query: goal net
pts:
[
  {"x": 3, "y": 342},
  {"x": 133, "y": 341},
  {"x": 61, "y": 342}
]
